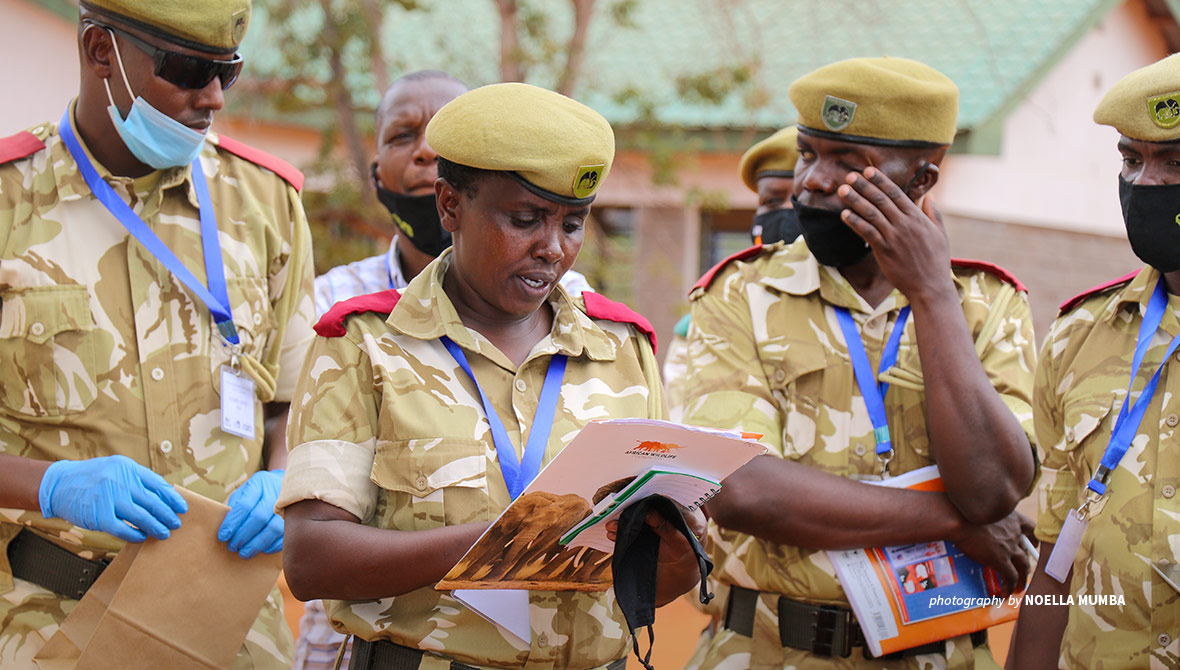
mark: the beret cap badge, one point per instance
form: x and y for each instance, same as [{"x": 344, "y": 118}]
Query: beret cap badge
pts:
[
  {"x": 586, "y": 180},
  {"x": 837, "y": 113},
  {"x": 1165, "y": 109}
]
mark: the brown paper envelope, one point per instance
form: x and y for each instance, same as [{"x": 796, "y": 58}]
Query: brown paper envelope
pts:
[{"x": 185, "y": 602}]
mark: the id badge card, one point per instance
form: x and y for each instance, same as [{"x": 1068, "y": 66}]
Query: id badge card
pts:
[
  {"x": 1066, "y": 548},
  {"x": 237, "y": 403}
]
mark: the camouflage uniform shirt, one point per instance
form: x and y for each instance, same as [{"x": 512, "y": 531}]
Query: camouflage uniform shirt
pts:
[
  {"x": 388, "y": 427},
  {"x": 103, "y": 351},
  {"x": 1081, "y": 383},
  {"x": 767, "y": 355}
]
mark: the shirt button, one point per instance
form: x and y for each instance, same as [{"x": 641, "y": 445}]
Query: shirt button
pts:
[
  {"x": 421, "y": 482},
  {"x": 1169, "y": 491},
  {"x": 780, "y": 375},
  {"x": 1164, "y": 639},
  {"x": 860, "y": 450},
  {"x": 520, "y": 385},
  {"x": 1172, "y": 419},
  {"x": 543, "y": 641},
  {"x": 257, "y": 318},
  {"x": 166, "y": 446},
  {"x": 157, "y": 374},
  {"x": 37, "y": 328}
]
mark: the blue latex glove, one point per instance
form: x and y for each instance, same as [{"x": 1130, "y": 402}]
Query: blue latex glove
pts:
[
  {"x": 251, "y": 526},
  {"x": 112, "y": 494}
]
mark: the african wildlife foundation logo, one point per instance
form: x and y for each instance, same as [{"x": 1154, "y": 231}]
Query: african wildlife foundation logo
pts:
[{"x": 654, "y": 449}]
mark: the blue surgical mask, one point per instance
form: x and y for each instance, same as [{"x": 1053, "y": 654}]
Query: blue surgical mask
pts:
[{"x": 151, "y": 135}]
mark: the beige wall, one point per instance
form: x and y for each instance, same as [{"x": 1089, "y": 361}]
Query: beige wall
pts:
[
  {"x": 40, "y": 56},
  {"x": 1058, "y": 168}
]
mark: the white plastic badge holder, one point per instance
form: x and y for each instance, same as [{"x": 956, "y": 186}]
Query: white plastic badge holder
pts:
[
  {"x": 237, "y": 403},
  {"x": 1066, "y": 549}
]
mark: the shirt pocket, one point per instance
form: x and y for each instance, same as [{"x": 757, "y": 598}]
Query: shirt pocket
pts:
[
  {"x": 431, "y": 483},
  {"x": 795, "y": 371},
  {"x": 1086, "y": 430},
  {"x": 254, "y": 320},
  {"x": 48, "y": 351}
]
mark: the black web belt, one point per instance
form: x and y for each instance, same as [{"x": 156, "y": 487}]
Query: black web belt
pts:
[
  {"x": 385, "y": 655},
  {"x": 823, "y": 630},
  {"x": 37, "y": 560}
]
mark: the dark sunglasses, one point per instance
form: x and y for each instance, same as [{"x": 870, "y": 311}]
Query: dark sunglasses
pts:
[{"x": 184, "y": 70}]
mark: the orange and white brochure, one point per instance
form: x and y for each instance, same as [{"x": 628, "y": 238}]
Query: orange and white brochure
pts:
[{"x": 914, "y": 594}]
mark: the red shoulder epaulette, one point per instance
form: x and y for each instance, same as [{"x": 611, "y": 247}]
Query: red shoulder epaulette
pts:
[
  {"x": 598, "y": 307},
  {"x": 1074, "y": 301},
  {"x": 990, "y": 268},
  {"x": 282, "y": 168},
  {"x": 742, "y": 255},
  {"x": 18, "y": 146},
  {"x": 331, "y": 324}
]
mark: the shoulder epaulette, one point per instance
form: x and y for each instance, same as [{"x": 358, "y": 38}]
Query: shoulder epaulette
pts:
[
  {"x": 742, "y": 255},
  {"x": 598, "y": 307},
  {"x": 1077, "y": 299},
  {"x": 990, "y": 268},
  {"x": 331, "y": 324},
  {"x": 289, "y": 173},
  {"x": 18, "y": 146}
]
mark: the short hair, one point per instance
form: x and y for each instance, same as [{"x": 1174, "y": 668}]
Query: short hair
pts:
[
  {"x": 420, "y": 75},
  {"x": 464, "y": 178}
]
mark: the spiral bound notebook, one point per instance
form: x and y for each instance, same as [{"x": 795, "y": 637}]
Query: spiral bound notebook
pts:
[{"x": 605, "y": 465}]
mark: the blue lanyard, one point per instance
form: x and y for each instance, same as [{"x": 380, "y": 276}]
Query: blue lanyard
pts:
[
  {"x": 216, "y": 297},
  {"x": 519, "y": 473},
  {"x": 871, "y": 390},
  {"x": 1126, "y": 426}
]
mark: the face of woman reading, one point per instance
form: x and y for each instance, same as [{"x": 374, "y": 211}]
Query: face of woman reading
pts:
[{"x": 511, "y": 246}]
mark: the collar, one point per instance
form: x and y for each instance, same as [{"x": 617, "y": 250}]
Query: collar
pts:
[
  {"x": 1135, "y": 296},
  {"x": 425, "y": 312},
  {"x": 796, "y": 272},
  {"x": 71, "y": 185}
]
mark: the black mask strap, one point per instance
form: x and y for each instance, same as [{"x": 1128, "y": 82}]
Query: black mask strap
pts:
[{"x": 635, "y": 561}]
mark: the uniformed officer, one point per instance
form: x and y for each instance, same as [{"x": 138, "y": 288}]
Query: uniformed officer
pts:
[
  {"x": 768, "y": 169},
  {"x": 776, "y": 332},
  {"x": 155, "y": 294},
  {"x": 1109, "y": 516},
  {"x": 393, "y": 462}
]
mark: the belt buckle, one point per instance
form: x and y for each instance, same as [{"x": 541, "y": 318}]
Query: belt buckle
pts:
[{"x": 827, "y": 638}]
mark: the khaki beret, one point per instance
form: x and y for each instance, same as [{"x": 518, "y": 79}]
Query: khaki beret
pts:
[
  {"x": 1145, "y": 105},
  {"x": 888, "y": 101},
  {"x": 774, "y": 156},
  {"x": 556, "y": 147},
  {"x": 216, "y": 26}
]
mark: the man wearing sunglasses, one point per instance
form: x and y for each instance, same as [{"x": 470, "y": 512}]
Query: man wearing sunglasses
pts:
[{"x": 155, "y": 305}]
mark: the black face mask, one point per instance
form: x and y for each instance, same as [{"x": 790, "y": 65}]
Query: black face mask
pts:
[
  {"x": 1152, "y": 217},
  {"x": 775, "y": 226},
  {"x": 830, "y": 240},
  {"x": 416, "y": 217},
  {"x": 637, "y": 551}
]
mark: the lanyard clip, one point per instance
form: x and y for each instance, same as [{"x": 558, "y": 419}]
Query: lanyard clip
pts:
[
  {"x": 885, "y": 457},
  {"x": 228, "y": 331},
  {"x": 1092, "y": 497}
]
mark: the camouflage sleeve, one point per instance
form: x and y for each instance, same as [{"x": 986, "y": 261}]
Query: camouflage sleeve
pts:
[
  {"x": 292, "y": 288},
  {"x": 657, "y": 405},
  {"x": 332, "y": 428},
  {"x": 1057, "y": 490},
  {"x": 1009, "y": 358},
  {"x": 725, "y": 386}
]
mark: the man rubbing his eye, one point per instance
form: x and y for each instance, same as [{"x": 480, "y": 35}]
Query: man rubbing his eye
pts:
[{"x": 155, "y": 302}]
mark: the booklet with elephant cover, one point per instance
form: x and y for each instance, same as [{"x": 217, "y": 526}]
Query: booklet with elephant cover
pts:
[
  {"x": 910, "y": 595},
  {"x": 553, "y": 537}
]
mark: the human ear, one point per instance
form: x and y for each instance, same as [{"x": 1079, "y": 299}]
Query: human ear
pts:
[
  {"x": 923, "y": 181},
  {"x": 95, "y": 50},
  {"x": 449, "y": 202}
]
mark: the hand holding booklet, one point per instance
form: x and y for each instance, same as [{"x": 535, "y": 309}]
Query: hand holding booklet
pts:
[
  {"x": 607, "y": 465},
  {"x": 910, "y": 595}
]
